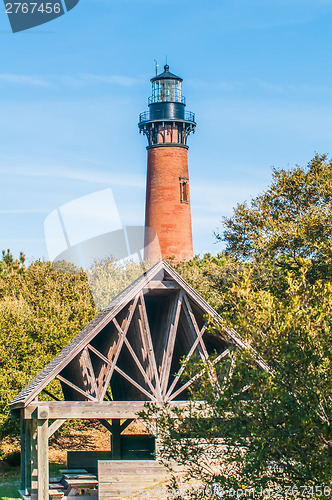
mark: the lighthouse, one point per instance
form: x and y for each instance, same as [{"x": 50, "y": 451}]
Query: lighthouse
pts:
[{"x": 167, "y": 126}]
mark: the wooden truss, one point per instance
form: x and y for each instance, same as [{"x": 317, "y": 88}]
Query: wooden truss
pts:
[{"x": 137, "y": 355}]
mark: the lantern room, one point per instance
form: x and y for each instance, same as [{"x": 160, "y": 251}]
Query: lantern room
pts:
[{"x": 166, "y": 87}]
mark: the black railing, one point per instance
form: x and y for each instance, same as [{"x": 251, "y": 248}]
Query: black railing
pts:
[
  {"x": 144, "y": 117},
  {"x": 189, "y": 116}
]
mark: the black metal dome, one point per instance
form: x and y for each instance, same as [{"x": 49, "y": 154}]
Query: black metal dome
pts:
[{"x": 166, "y": 75}]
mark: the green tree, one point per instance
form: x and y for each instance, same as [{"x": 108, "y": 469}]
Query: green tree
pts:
[
  {"x": 277, "y": 432},
  {"x": 42, "y": 307},
  {"x": 41, "y": 310},
  {"x": 289, "y": 222},
  {"x": 273, "y": 285}
]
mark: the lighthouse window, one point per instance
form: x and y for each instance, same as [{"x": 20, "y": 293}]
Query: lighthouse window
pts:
[
  {"x": 184, "y": 189},
  {"x": 166, "y": 90}
]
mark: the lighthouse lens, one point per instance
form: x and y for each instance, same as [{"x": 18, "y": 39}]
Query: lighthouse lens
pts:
[{"x": 166, "y": 91}]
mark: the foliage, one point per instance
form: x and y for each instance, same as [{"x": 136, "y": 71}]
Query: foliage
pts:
[
  {"x": 107, "y": 278},
  {"x": 42, "y": 307},
  {"x": 278, "y": 431},
  {"x": 289, "y": 222},
  {"x": 272, "y": 285},
  {"x": 41, "y": 310}
]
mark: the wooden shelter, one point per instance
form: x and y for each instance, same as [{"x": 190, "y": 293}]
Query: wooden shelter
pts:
[{"x": 127, "y": 355}]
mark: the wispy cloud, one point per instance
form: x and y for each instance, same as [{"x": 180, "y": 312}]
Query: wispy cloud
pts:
[
  {"x": 123, "y": 81},
  {"x": 56, "y": 81},
  {"x": 302, "y": 88},
  {"x": 97, "y": 176},
  {"x": 30, "y": 80},
  {"x": 215, "y": 85}
]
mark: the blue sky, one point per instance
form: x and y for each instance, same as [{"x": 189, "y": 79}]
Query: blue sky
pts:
[{"x": 257, "y": 74}]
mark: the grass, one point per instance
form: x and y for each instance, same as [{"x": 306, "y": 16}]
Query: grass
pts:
[
  {"x": 9, "y": 490},
  {"x": 10, "y": 479}
]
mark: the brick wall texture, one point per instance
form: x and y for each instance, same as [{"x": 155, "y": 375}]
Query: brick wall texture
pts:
[{"x": 165, "y": 212}]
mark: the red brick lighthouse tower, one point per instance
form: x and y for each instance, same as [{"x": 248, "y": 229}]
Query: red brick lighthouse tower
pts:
[{"x": 167, "y": 125}]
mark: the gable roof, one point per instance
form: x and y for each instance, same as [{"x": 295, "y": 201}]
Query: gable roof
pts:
[{"x": 76, "y": 369}]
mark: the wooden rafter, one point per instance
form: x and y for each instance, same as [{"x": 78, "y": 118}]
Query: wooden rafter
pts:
[
  {"x": 99, "y": 354},
  {"x": 135, "y": 384},
  {"x": 55, "y": 426},
  {"x": 48, "y": 393},
  {"x": 169, "y": 341},
  {"x": 76, "y": 388},
  {"x": 212, "y": 374},
  {"x": 161, "y": 285},
  {"x": 148, "y": 345},
  {"x": 126, "y": 423},
  {"x": 116, "y": 368},
  {"x": 135, "y": 358},
  {"x": 192, "y": 320},
  {"x": 190, "y": 353},
  {"x": 124, "y": 327},
  {"x": 198, "y": 375},
  {"x": 89, "y": 368},
  {"x": 106, "y": 424}
]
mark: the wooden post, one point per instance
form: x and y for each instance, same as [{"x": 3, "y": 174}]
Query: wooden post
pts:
[
  {"x": 23, "y": 447},
  {"x": 42, "y": 454},
  {"x": 34, "y": 461},
  {"x": 116, "y": 439},
  {"x": 27, "y": 457}
]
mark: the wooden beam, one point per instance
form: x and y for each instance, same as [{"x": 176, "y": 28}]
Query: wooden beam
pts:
[
  {"x": 191, "y": 318},
  {"x": 122, "y": 372},
  {"x": 135, "y": 358},
  {"x": 127, "y": 322},
  {"x": 50, "y": 395},
  {"x": 43, "y": 466},
  {"x": 93, "y": 410},
  {"x": 223, "y": 354},
  {"x": 134, "y": 383},
  {"x": 23, "y": 439},
  {"x": 109, "y": 427},
  {"x": 169, "y": 341},
  {"x": 190, "y": 353},
  {"x": 27, "y": 461},
  {"x": 89, "y": 368},
  {"x": 187, "y": 384},
  {"x": 100, "y": 355},
  {"x": 106, "y": 424},
  {"x": 148, "y": 345},
  {"x": 34, "y": 461},
  {"x": 126, "y": 424},
  {"x": 204, "y": 354},
  {"x": 55, "y": 426},
  {"x": 161, "y": 285},
  {"x": 116, "y": 439},
  {"x": 78, "y": 389}
]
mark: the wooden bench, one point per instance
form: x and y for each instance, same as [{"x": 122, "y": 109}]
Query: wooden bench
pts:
[
  {"x": 79, "y": 483},
  {"x": 56, "y": 486},
  {"x": 56, "y": 494},
  {"x": 73, "y": 471}
]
